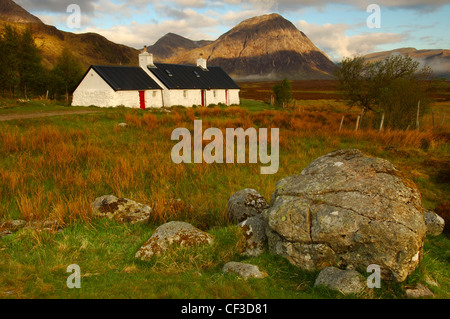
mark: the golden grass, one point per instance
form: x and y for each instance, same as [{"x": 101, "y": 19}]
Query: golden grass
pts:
[{"x": 51, "y": 171}]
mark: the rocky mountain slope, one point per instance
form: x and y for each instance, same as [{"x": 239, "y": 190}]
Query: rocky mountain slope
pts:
[
  {"x": 89, "y": 48},
  {"x": 264, "y": 47},
  {"x": 173, "y": 44},
  {"x": 12, "y": 12}
]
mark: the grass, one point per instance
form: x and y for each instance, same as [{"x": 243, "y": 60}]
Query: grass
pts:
[{"x": 53, "y": 168}]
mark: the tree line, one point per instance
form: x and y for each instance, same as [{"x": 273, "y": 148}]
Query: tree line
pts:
[
  {"x": 396, "y": 89},
  {"x": 22, "y": 73}
]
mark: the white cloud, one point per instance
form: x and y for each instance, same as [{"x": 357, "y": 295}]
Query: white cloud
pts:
[
  {"x": 193, "y": 26},
  {"x": 333, "y": 40}
]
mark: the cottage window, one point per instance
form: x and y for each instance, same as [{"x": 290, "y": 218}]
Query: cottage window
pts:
[
  {"x": 215, "y": 93},
  {"x": 185, "y": 94},
  {"x": 154, "y": 94}
]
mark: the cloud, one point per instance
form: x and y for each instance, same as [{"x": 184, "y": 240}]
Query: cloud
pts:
[
  {"x": 420, "y": 5},
  {"x": 93, "y": 6},
  {"x": 333, "y": 40},
  {"x": 191, "y": 25},
  {"x": 57, "y": 6}
]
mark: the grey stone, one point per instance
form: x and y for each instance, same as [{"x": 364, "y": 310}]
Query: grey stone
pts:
[
  {"x": 347, "y": 208},
  {"x": 243, "y": 270},
  {"x": 435, "y": 223},
  {"x": 419, "y": 291},
  {"x": 173, "y": 233},
  {"x": 121, "y": 209},
  {"x": 344, "y": 281},
  {"x": 255, "y": 235},
  {"x": 244, "y": 204}
]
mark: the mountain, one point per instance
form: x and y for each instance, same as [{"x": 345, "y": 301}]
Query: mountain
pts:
[
  {"x": 267, "y": 47},
  {"x": 438, "y": 60},
  {"x": 12, "y": 12},
  {"x": 89, "y": 48},
  {"x": 172, "y": 44}
]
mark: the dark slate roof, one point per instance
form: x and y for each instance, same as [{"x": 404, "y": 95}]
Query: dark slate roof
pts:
[
  {"x": 177, "y": 76},
  {"x": 126, "y": 78}
]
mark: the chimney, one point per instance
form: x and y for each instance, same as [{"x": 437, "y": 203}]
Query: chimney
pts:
[
  {"x": 202, "y": 62},
  {"x": 146, "y": 59}
]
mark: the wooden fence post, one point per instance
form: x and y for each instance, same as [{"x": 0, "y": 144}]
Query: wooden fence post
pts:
[
  {"x": 417, "y": 117},
  {"x": 357, "y": 123},
  {"x": 382, "y": 122},
  {"x": 342, "y": 122}
]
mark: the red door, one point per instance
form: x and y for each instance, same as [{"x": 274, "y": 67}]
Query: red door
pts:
[
  {"x": 142, "y": 99},
  {"x": 203, "y": 97}
]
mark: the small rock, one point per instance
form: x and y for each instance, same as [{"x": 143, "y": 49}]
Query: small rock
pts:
[
  {"x": 435, "y": 223},
  {"x": 344, "y": 281},
  {"x": 121, "y": 209},
  {"x": 169, "y": 234},
  {"x": 244, "y": 204},
  {"x": 255, "y": 234},
  {"x": 243, "y": 270},
  {"x": 430, "y": 281},
  {"x": 420, "y": 291},
  {"x": 17, "y": 224},
  {"x": 123, "y": 124}
]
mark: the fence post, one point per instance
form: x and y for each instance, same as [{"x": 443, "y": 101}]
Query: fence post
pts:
[
  {"x": 357, "y": 123},
  {"x": 342, "y": 122},
  {"x": 382, "y": 122},
  {"x": 443, "y": 118},
  {"x": 417, "y": 117}
]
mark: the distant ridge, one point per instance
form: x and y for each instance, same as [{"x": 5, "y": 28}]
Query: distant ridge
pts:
[
  {"x": 172, "y": 44},
  {"x": 89, "y": 48},
  {"x": 12, "y": 12},
  {"x": 437, "y": 59}
]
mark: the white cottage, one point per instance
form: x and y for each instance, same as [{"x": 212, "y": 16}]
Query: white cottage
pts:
[{"x": 156, "y": 85}]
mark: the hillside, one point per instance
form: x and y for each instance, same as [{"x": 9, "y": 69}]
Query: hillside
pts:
[
  {"x": 173, "y": 44},
  {"x": 89, "y": 48},
  {"x": 264, "y": 47},
  {"x": 438, "y": 59},
  {"x": 12, "y": 12}
]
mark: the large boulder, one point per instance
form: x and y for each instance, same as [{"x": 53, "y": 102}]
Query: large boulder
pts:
[
  {"x": 121, "y": 209},
  {"x": 172, "y": 234},
  {"x": 244, "y": 204},
  {"x": 348, "y": 210}
]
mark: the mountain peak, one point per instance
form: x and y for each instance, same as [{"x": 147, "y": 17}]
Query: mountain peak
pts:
[
  {"x": 267, "y": 22},
  {"x": 171, "y": 44},
  {"x": 12, "y": 12},
  {"x": 264, "y": 47}
]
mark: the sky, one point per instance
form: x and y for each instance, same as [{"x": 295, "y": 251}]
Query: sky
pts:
[{"x": 341, "y": 28}]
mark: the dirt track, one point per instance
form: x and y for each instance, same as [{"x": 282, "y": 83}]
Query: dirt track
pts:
[{"x": 9, "y": 117}]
